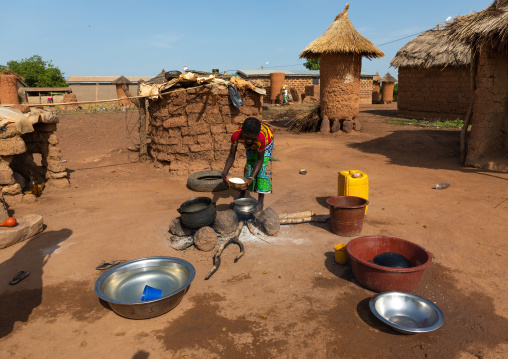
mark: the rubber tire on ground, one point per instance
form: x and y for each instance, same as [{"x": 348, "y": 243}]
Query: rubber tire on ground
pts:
[{"x": 206, "y": 181}]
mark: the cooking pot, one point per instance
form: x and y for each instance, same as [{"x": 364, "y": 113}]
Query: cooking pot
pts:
[
  {"x": 197, "y": 212},
  {"x": 245, "y": 206}
]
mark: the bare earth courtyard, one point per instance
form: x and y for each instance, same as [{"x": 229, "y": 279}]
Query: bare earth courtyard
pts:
[{"x": 283, "y": 299}]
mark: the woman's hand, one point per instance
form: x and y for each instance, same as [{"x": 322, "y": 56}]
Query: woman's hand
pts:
[
  {"x": 248, "y": 183},
  {"x": 225, "y": 178}
]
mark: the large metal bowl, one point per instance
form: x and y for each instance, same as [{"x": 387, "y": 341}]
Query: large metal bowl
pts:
[
  {"x": 122, "y": 286},
  {"x": 406, "y": 312}
]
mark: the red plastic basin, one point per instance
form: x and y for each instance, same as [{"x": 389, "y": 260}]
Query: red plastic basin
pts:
[{"x": 361, "y": 250}]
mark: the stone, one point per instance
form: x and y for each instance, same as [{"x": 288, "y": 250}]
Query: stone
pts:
[
  {"x": 5, "y": 162},
  {"x": 28, "y": 226},
  {"x": 347, "y": 126},
  {"x": 358, "y": 124},
  {"x": 54, "y": 152},
  {"x": 325, "y": 125},
  {"x": 3, "y": 211},
  {"x": 335, "y": 126},
  {"x": 55, "y": 175},
  {"x": 12, "y": 146},
  {"x": 55, "y": 166},
  {"x": 205, "y": 239},
  {"x": 225, "y": 222},
  {"x": 11, "y": 131},
  {"x": 171, "y": 122},
  {"x": 12, "y": 190},
  {"x": 53, "y": 139},
  {"x": 19, "y": 179},
  {"x": 268, "y": 221},
  {"x": 28, "y": 198},
  {"x": 181, "y": 243},
  {"x": 59, "y": 182},
  {"x": 13, "y": 201},
  {"x": 176, "y": 228},
  {"x": 6, "y": 177}
]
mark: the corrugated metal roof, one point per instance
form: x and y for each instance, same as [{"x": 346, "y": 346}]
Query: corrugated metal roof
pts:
[
  {"x": 95, "y": 79},
  {"x": 308, "y": 73}
]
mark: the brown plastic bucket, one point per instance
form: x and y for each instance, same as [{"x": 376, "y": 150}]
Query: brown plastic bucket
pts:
[
  {"x": 346, "y": 214},
  {"x": 362, "y": 251}
]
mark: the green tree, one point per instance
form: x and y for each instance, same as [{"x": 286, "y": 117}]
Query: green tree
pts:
[
  {"x": 312, "y": 64},
  {"x": 37, "y": 72}
]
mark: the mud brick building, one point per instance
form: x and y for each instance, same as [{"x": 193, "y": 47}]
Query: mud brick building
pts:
[
  {"x": 191, "y": 128},
  {"x": 433, "y": 78},
  {"x": 303, "y": 83}
]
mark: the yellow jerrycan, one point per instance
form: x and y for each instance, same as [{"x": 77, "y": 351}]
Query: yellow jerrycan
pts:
[{"x": 354, "y": 183}]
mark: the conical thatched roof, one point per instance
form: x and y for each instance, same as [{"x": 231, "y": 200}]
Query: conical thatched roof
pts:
[
  {"x": 389, "y": 78},
  {"x": 341, "y": 37},
  {"x": 160, "y": 78},
  {"x": 376, "y": 77},
  {"x": 432, "y": 49},
  {"x": 121, "y": 80},
  {"x": 10, "y": 72},
  {"x": 486, "y": 27}
]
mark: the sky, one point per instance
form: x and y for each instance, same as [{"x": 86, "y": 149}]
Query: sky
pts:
[{"x": 140, "y": 38}]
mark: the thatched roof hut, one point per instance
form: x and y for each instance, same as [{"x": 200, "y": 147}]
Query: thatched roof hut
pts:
[
  {"x": 488, "y": 27},
  {"x": 388, "y": 82},
  {"x": 432, "y": 49},
  {"x": 160, "y": 78},
  {"x": 487, "y": 33},
  {"x": 433, "y": 78},
  {"x": 376, "y": 77},
  {"x": 122, "y": 80},
  {"x": 388, "y": 78},
  {"x": 340, "y": 49}
]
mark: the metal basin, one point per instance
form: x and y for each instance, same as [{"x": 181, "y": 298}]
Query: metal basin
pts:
[
  {"x": 245, "y": 206},
  {"x": 122, "y": 286},
  {"x": 406, "y": 312}
]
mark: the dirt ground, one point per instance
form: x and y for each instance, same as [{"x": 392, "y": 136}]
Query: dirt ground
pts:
[{"x": 284, "y": 299}]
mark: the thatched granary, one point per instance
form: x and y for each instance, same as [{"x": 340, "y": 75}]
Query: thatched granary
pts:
[
  {"x": 9, "y": 87},
  {"x": 376, "y": 88},
  {"x": 487, "y": 33},
  {"x": 388, "y": 82},
  {"x": 340, "y": 49},
  {"x": 433, "y": 78},
  {"x": 122, "y": 80}
]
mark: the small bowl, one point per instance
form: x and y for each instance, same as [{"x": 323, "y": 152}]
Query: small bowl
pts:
[
  {"x": 237, "y": 186},
  {"x": 407, "y": 313}
]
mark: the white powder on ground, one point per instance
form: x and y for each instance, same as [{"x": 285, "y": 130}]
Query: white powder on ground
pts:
[{"x": 236, "y": 180}]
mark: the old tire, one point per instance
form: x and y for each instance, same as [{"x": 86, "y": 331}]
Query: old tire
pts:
[{"x": 206, "y": 181}]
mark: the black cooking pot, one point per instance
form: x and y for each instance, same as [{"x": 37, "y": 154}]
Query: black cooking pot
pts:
[{"x": 197, "y": 212}]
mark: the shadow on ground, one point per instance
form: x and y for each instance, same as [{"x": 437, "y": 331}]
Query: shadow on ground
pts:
[{"x": 18, "y": 301}]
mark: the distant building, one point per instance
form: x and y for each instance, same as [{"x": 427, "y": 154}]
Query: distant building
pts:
[
  {"x": 300, "y": 79},
  {"x": 98, "y": 88}
]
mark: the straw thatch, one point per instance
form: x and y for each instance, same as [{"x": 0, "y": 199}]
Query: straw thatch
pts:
[
  {"x": 10, "y": 72},
  {"x": 308, "y": 121},
  {"x": 160, "y": 78},
  {"x": 121, "y": 80},
  {"x": 432, "y": 49},
  {"x": 341, "y": 37},
  {"x": 389, "y": 78},
  {"x": 376, "y": 77},
  {"x": 487, "y": 27}
]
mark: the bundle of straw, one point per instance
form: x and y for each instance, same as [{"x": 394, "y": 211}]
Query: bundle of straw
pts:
[{"x": 306, "y": 122}]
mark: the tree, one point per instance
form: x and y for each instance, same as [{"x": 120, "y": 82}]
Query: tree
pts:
[
  {"x": 37, "y": 72},
  {"x": 312, "y": 64}
]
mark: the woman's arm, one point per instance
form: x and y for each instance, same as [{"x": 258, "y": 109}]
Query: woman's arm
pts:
[{"x": 229, "y": 162}]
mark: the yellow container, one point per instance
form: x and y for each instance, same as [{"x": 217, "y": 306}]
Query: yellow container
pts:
[
  {"x": 341, "y": 255},
  {"x": 354, "y": 183}
]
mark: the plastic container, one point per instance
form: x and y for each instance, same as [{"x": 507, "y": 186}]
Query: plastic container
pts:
[
  {"x": 341, "y": 255},
  {"x": 354, "y": 183},
  {"x": 362, "y": 251},
  {"x": 150, "y": 293},
  {"x": 346, "y": 214}
]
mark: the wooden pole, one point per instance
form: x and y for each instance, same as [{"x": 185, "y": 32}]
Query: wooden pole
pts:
[
  {"x": 469, "y": 116},
  {"x": 140, "y": 104}
]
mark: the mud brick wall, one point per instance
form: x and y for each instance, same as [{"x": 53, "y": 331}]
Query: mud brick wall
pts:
[
  {"x": 366, "y": 87},
  {"x": 296, "y": 83},
  {"x": 191, "y": 129},
  {"x": 17, "y": 161},
  {"x": 435, "y": 93}
]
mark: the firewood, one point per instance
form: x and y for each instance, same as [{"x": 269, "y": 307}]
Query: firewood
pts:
[{"x": 317, "y": 218}]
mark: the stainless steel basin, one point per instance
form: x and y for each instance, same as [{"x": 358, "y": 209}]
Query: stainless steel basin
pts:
[
  {"x": 406, "y": 312},
  {"x": 122, "y": 286}
]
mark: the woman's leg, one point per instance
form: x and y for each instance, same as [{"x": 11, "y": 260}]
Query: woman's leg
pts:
[{"x": 261, "y": 200}]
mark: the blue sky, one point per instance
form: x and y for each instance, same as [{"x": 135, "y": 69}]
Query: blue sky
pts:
[{"x": 133, "y": 38}]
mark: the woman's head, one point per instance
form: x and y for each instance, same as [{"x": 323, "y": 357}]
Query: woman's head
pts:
[{"x": 250, "y": 130}]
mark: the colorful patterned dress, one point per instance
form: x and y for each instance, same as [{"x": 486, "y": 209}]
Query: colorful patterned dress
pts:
[{"x": 263, "y": 181}]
